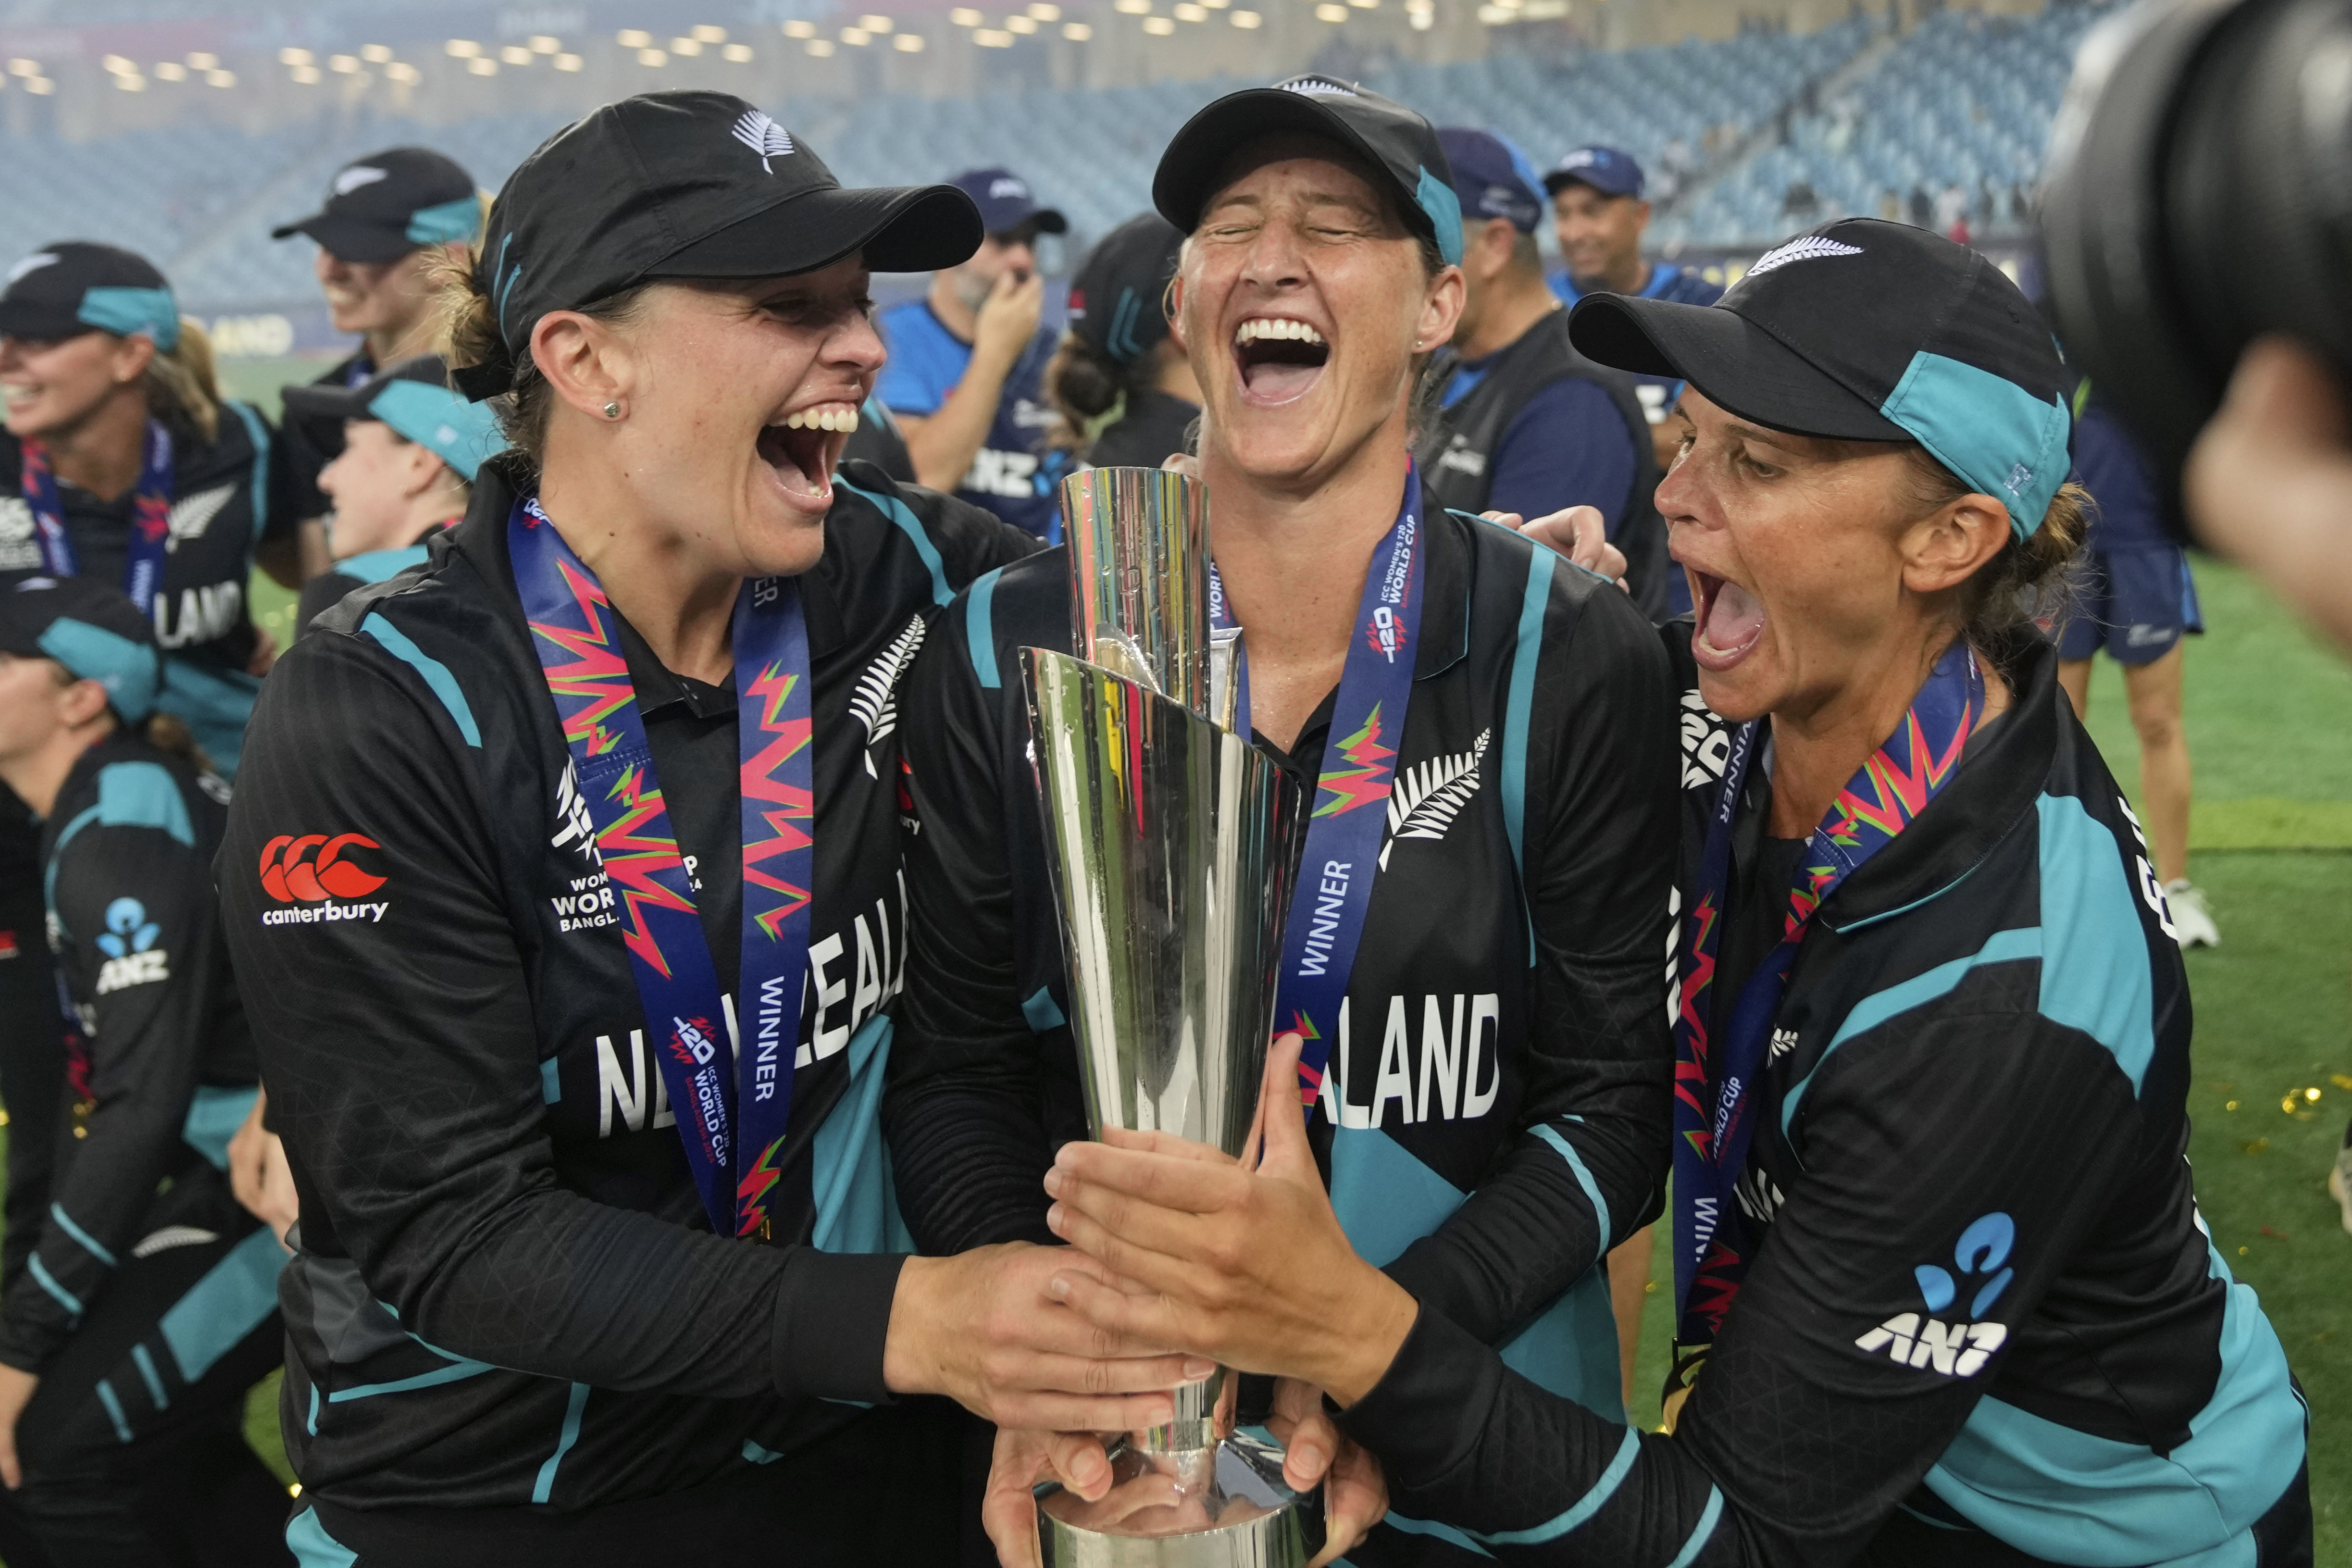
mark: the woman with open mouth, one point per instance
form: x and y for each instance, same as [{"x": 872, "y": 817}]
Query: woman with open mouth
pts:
[
  {"x": 1943, "y": 1296},
  {"x": 563, "y": 881},
  {"x": 1483, "y": 735}
]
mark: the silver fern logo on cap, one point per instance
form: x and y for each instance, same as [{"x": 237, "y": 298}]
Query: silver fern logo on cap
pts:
[
  {"x": 1320, "y": 86},
  {"x": 1812, "y": 248},
  {"x": 763, "y": 136}
]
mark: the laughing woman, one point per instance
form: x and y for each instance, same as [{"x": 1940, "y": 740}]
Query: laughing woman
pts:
[
  {"x": 1944, "y": 1295},
  {"x": 575, "y": 1282},
  {"x": 1496, "y": 794}
]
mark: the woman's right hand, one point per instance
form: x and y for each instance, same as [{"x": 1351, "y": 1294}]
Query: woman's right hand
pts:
[
  {"x": 1578, "y": 533},
  {"x": 259, "y": 1176},
  {"x": 1008, "y": 1511},
  {"x": 981, "y": 1329}
]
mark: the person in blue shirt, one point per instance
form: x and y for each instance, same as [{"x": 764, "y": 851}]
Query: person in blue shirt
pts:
[
  {"x": 1524, "y": 423},
  {"x": 2134, "y": 596},
  {"x": 1598, "y": 212},
  {"x": 965, "y": 379}
]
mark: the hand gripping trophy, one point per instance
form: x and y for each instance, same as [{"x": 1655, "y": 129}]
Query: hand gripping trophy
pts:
[{"x": 1169, "y": 841}]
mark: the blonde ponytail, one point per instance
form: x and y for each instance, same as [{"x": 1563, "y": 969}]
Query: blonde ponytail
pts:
[{"x": 181, "y": 389}]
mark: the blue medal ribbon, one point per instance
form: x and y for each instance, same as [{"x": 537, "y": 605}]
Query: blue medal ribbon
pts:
[
  {"x": 1343, "y": 839},
  {"x": 1716, "y": 1094},
  {"x": 731, "y": 1114},
  {"x": 150, "y": 517}
]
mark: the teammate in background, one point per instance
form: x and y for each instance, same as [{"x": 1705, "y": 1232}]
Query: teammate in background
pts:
[
  {"x": 410, "y": 450},
  {"x": 966, "y": 377},
  {"x": 1493, "y": 1106},
  {"x": 530, "y": 833},
  {"x": 1527, "y": 424},
  {"x": 1118, "y": 373},
  {"x": 1599, "y": 214},
  {"x": 148, "y": 1304},
  {"x": 389, "y": 218},
  {"x": 2134, "y": 596}
]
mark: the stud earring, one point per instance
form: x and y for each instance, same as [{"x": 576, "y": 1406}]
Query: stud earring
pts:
[{"x": 611, "y": 411}]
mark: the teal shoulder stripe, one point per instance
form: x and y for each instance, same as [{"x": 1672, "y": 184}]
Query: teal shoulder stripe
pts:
[
  {"x": 1519, "y": 710},
  {"x": 1701, "y": 1532},
  {"x": 106, "y": 1397},
  {"x": 437, "y": 674},
  {"x": 1590, "y": 1503},
  {"x": 235, "y": 1296},
  {"x": 313, "y": 1547},
  {"x": 1431, "y": 1527},
  {"x": 143, "y": 795},
  {"x": 542, "y": 1489},
  {"x": 455, "y": 1372},
  {"x": 90, "y": 1243},
  {"x": 376, "y": 565},
  {"x": 756, "y": 1455},
  {"x": 2095, "y": 966},
  {"x": 50, "y": 876},
  {"x": 1043, "y": 1015},
  {"x": 910, "y": 525},
  {"x": 1583, "y": 1179},
  {"x": 979, "y": 628},
  {"x": 59, "y": 1293},
  {"x": 257, "y": 429},
  {"x": 214, "y": 1114},
  {"x": 154, "y": 1379},
  {"x": 551, "y": 1082},
  {"x": 2002, "y": 947}
]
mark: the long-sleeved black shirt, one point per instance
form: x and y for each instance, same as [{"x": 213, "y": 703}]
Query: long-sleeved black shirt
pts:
[
  {"x": 1500, "y": 1072},
  {"x": 506, "y": 1292},
  {"x": 1983, "y": 1324}
]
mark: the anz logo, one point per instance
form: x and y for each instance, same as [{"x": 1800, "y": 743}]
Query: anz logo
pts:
[{"x": 1955, "y": 1349}]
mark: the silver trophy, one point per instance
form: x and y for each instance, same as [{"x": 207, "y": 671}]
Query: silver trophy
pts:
[{"x": 1168, "y": 837}]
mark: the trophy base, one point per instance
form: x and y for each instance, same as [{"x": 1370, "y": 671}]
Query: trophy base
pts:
[{"x": 1225, "y": 1507}]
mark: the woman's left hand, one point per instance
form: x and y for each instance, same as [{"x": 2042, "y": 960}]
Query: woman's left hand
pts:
[
  {"x": 1578, "y": 533},
  {"x": 1355, "y": 1489},
  {"x": 15, "y": 1393},
  {"x": 1249, "y": 1266}
]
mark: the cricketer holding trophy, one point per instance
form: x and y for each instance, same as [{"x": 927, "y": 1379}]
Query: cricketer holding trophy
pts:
[{"x": 1483, "y": 739}]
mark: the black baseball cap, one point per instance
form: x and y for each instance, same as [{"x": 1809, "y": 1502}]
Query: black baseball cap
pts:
[
  {"x": 1866, "y": 330},
  {"x": 90, "y": 627},
  {"x": 688, "y": 185},
  {"x": 1492, "y": 178},
  {"x": 412, "y": 396},
  {"x": 73, "y": 287},
  {"x": 1611, "y": 172},
  {"x": 1116, "y": 299},
  {"x": 1005, "y": 202},
  {"x": 1396, "y": 141},
  {"x": 382, "y": 206}
]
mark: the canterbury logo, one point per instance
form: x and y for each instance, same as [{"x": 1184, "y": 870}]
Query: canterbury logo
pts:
[
  {"x": 763, "y": 136},
  {"x": 311, "y": 869},
  {"x": 1812, "y": 248}
]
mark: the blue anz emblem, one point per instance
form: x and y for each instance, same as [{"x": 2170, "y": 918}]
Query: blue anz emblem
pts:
[
  {"x": 1979, "y": 1266},
  {"x": 128, "y": 929}
]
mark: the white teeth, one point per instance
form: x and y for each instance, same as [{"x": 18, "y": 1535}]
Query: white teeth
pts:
[
  {"x": 838, "y": 417},
  {"x": 1276, "y": 327}
]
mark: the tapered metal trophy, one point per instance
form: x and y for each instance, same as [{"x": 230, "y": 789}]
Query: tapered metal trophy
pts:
[{"x": 1169, "y": 837}]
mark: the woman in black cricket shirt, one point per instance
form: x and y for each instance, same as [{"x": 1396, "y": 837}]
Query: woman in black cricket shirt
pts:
[
  {"x": 510, "y": 877},
  {"x": 1491, "y": 1107},
  {"x": 1944, "y": 1295}
]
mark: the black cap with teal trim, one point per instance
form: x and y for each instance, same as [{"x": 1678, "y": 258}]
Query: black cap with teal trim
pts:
[
  {"x": 412, "y": 396},
  {"x": 1866, "y": 330},
  {"x": 76, "y": 286},
  {"x": 382, "y": 206},
  {"x": 93, "y": 630},
  {"x": 1397, "y": 142}
]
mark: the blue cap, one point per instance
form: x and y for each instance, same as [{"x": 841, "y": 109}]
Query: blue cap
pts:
[
  {"x": 92, "y": 629},
  {"x": 1605, "y": 169},
  {"x": 1005, "y": 202},
  {"x": 1491, "y": 178}
]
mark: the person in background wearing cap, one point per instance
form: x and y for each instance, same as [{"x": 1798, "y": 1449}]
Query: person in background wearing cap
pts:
[
  {"x": 410, "y": 450},
  {"x": 1123, "y": 386},
  {"x": 389, "y": 219},
  {"x": 1598, "y": 212},
  {"x": 148, "y": 1304},
  {"x": 1486, "y": 737},
  {"x": 966, "y": 377},
  {"x": 530, "y": 833},
  {"x": 1528, "y": 426},
  {"x": 1944, "y": 1295}
]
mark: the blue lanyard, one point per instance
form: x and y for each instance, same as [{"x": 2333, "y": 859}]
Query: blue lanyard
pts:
[
  {"x": 150, "y": 517},
  {"x": 1343, "y": 839},
  {"x": 1716, "y": 1097},
  {"x": 731, "y": 1122}
]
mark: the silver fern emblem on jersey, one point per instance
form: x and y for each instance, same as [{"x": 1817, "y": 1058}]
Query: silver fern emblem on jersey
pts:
[
  {"x": 1429, "y": 795},
  {"x": 190, "y": 515},
  {"x": 763, "y": 136},
  {"x": 1811, "y": 247},
  {"x": 875, "y": 704}
]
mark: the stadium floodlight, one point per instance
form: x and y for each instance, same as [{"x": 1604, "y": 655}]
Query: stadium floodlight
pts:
[
  {"x": 569, "y": 62},
  {"x": 462, "y": 50},
  {"x": 796, "y": 28},
  {"x": 821, "y": 48},
  {"x": 1045, "y": 11},
  {"x": 992, "y": 39},
  {"x": 1365, "y": 5},
  {"x": 516, "y": 55},
  {"x": 965, "y": 16},
  {"x": 1018, "y": 23},
  {"x": 201, "y": 61},
  {"x": 685, "y": 48},
  {"x": 1077, "y": 32},
  {"x": 293, "y": 57},
  {"x": 218, "y": 77},
  {"x": 482, "y": 65},
  {"x": 633, "y": 39},
  {"x": 875, "y": 25},
  {"x": 376, "y": 54},
  {"x": 404, "y": 73},
  {"x": 117, "y": 65},
  {"x": 1159, "y": 27},
  {"x": 653, "y": 57},
  {"x": 707, "y": 34},
  {"x": 1330, "y": 13},
  {"x": 545, "y": 44},
  {"x": 343, "y": 65},
  {"x": 39, "y": 86},
  {"x": 171, "y": 70},
  {"x": 1421, "y": 20},
  {"x": 305, "y": 76},
  {"x": 1132, "y": 7},
  {"x": 1248, "y": 19},
  {"x": 1187, "y": 12},
  {"x": 856, "y": 38},
  {"x": 738, "y": 54},
  {"x": 130, "y": 83},
  {"x": 908, "y": 43}
]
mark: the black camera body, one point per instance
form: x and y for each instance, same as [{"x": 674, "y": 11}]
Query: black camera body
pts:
[{"x": 2199, "y": 196}]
